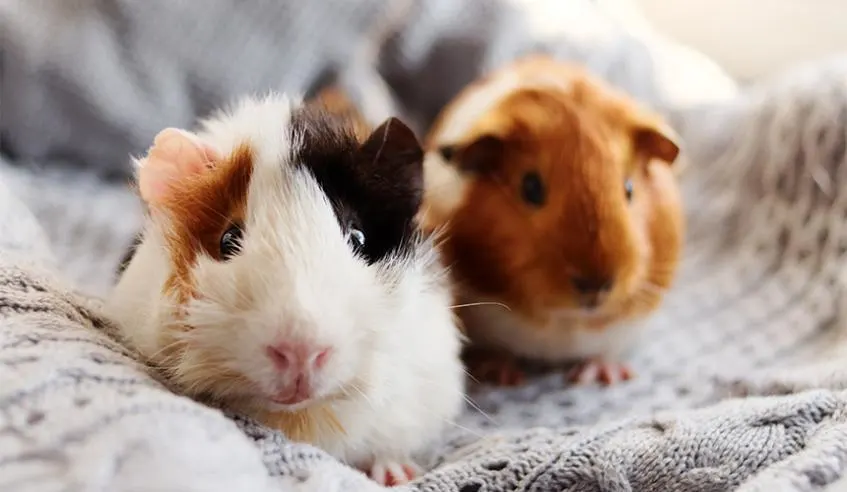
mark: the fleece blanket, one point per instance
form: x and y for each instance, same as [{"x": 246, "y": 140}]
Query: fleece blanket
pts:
[{"x": 741, "y": 380}]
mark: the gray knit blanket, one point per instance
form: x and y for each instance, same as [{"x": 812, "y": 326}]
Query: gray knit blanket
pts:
[{"x": 741, "y": 379}]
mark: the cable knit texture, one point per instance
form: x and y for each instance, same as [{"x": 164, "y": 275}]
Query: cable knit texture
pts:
[{"x": 741, "y": 377}]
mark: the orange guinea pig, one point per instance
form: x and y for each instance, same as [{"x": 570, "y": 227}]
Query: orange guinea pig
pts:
[{"x": 558, "y": 200}]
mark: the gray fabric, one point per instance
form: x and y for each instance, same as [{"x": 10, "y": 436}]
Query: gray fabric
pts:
[
  {"x": 21, "y": 235},
  {"x": 87, "y": 82},
  {"x": 740, "y": 377},
  {"x": 84, "y": 82}
]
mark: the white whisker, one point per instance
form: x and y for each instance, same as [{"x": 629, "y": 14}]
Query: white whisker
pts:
[
  {"x": 478, "y": 409},
  {"x": 472, "y": 304}
]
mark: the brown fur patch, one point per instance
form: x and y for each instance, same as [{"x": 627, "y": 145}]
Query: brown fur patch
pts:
[
  {"x": 585, "y": 140},
  {"x": 199, "y": 210}
]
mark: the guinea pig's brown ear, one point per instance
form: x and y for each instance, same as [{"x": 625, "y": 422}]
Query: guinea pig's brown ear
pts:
[
  {"x": 480, "y": 155},
  {"x": 391, "y": 159},
  {"x": 174, "y": 156},
  {"x": 657, "y": 141}
]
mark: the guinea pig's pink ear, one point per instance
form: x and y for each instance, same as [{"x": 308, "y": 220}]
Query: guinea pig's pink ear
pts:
[
  {"x": 481, "y": 154},
  {"x": 174, "y": 156},
  {"x": 657, "y": 141}
]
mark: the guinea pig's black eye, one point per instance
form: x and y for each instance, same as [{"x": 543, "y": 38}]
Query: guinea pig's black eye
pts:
[
  {"x": 356, "y": 238},
  {"x": 532, "y": 189},
  {"x": 627, "y": 188},
  {"x": 231, "y": 242}
]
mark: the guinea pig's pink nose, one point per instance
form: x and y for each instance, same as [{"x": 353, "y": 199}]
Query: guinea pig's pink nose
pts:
[{"x": 300, "y": 356}]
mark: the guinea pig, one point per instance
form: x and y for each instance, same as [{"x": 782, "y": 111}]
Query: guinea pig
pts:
[
  {"x": 562, "y": 217},
  {"x": 281, "y": 274}
]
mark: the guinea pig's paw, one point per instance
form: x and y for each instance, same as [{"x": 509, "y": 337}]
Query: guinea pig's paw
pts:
[
  {"x": 494, "y": 367},
  {"x": 392, "y": 472},
  {"x": 599, "y": 370},
  {"x": 175, "y": 154}
]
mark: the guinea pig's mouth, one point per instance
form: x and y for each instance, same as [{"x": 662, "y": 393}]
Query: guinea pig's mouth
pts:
[
  {"x": 299, "y": 398},
  {"x": 299, "y": 395},
  {"x": 577, "y": 310},
  {"x": 291, "y": 399},
  {"x": 592, "y": 304},
  {"x": 276, "y": 405},
  {"x": 577, "y": 313},
  {"x": 590, "y": 312},
  {"x": 302, "y": 397}
]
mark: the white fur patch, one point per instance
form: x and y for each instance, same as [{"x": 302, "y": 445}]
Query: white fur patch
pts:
[
  {"x": 563, "y": 340},
  {"x": 468, "y": 110},
  {"x": 261, "y": 122},
  {"x": 444, "y": 188}
]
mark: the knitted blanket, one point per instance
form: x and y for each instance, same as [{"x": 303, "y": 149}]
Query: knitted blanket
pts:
[{"x": 740, "y": 381}]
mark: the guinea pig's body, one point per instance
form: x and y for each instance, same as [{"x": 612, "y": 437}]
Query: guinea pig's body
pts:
[
  {"x": 280, "y": 274},
  {"x": 558, "y": 200}
]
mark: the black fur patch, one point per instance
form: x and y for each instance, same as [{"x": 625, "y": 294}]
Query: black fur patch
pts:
[{"x": 375, "y": 186}]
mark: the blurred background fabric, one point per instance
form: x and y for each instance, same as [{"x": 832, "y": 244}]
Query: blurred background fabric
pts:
[
  {"x": 757, "y": 317},
  {"x": 87, "y": 83}
]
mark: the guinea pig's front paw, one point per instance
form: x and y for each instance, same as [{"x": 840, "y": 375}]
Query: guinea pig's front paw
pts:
[
  {"x": 389, "y": 472},
  {"x": 599, "y": 370}
]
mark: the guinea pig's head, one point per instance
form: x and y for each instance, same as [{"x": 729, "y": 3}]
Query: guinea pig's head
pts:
[
  {"x": 559, "y": 201},
  {"x": 290, "y": 248}
]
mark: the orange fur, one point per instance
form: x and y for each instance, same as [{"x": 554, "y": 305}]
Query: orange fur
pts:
[
  {"x": 199, "y": 209},
  {"x": 585, "y": 140}
]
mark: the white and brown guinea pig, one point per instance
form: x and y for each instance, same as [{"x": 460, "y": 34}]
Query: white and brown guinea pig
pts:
[
  {"x": 281, "y": 274},
  {"x": 559, "y": 201}
]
